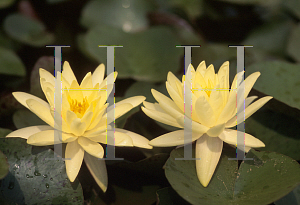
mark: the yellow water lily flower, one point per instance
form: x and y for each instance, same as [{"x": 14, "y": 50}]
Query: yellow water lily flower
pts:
[
  {"x": 214, "y": 109},
  {"x": 84, "y": 121}
]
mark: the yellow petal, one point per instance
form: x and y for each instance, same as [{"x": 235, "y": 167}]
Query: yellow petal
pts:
[
  {"x": 216, "y": 130},
  {"x": 97, "y": 119},
  {"x": 209, "y": 150},
  {"x": 98, "y": 74},
  {"x": 196, "y": 127},
  {"x": 47, "y": 137},
  {"x": 67, "y": 73},
  {"x": 216, "y": 101},
  {"x": 22, "y": 97},
  {"x": 87, "y": 117},
  {"x": 87, "y": 85},
  {"x": 175, "y": 96},
  {"x": 249, "y": 82},
  {"x": 201, "y": 68},
  {"x": 205, "y": 112},
  {"x": 162, "y": 98},
  {"x": 153, "y": 106},
  {"x": 93, "y": 93},
  {"x": 209, "y": 74},
  {"x": 111, "y": 77},
  {"x": 229, "y": 110},
  {"x": 170, "y": 111},
  {"x": 121, "y": 110},
  {"x": 47, "y": 76},
  {"x": 75, "y": 92},
  {"x": 96, "y": 131},
  {"x": 138, "y": 140},
  {"x": 70, "y": 116},
  {"x": 50, "y": 96},
  {"x": 28, "y": 131},
  {"x": 122, "y": 139},
  {"x": 93, "y": 148},
  {"x": 77, "y": 127},
  {"x": 98, "y": 170},
  {"x": 172, "y": 139},
  {"x": 223, "y": 75},
  {"x": 246, "y": 86},
  {"x": 134, "y": 101},
  {"x": 161, "y": 117},
  {"x": 230, "y": 136},
  {"x": 74, "y": 156},
  {"x": 173, "y": 81},
  {"x": 248, "y": 111},
  {"x": 41, "y": 111},
  {"x": 199, "y": 79},
  {"x": 248, "y": 101}
]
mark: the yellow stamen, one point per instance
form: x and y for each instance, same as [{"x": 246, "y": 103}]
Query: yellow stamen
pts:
[{"x": 78, "y": 107}]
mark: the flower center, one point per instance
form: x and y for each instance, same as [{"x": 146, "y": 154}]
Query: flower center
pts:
[{"x": 78, "y": 107}]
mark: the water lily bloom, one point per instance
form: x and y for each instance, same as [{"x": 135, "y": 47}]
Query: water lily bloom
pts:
[
  {"x": 214, "y": 110},
  {"x": 84, "y": 121}
]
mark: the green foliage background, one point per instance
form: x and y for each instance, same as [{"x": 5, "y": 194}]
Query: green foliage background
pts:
[{"x": 149, "y": 30}]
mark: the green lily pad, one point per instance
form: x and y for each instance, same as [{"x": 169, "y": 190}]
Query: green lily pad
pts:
[
  {"x": 27, "y": 30},
  {"x": 146, "y": 56},
  {"x": 25, "y": 118},
  {"x": 10, "y": 63},
  {"x": 292, "y": 198},
  {"x": 35, "y": 177},
  {"x": 6, "y": 3},
  {"x": 4, "y": 166},
  {"x": 4, "y": 132},
  {"x": 293, "y": 6},
  {"x": 183, "y": 178},
  {"x": 128, "y": 15},
  {"x": 264, "y": 36},
  {"x": 278, "y": 79},
  {"x": 194, "y": 8},
  {"x": 263, "y": 180},
  {"x": 293, "y": 47},
  {"x": 281, "y": 134},
  {"x": 167, "y": 196},
  {"x": 268, "y": 177}
]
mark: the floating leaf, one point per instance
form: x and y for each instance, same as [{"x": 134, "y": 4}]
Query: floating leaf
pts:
[
  {"x": 273, "y": 133},
  {"x": 27, "y": 30},
  {"x": 128, "y": 15},
  {"x": 278, "y": 79},
  {"x": 265, "y": 36},
  {"x": 10, "y": 63},
  {"x": 263, "y": 180},
  {"x": 292, "y": 198},
  {"x": 35, "y": 177},
  {"x": 194, "y": 8},
  {"x": 266, "y": 178},
  {"x": 167, "y": 196},
  {"x": 4, "y": 166},
  {"x": 4, "y": 132},
  {"x": 293, "y": 6},
  {"x": 6, "y": 3},
  {"x": 146, "y": 56},
  {"x": 293, "y": 47}
]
